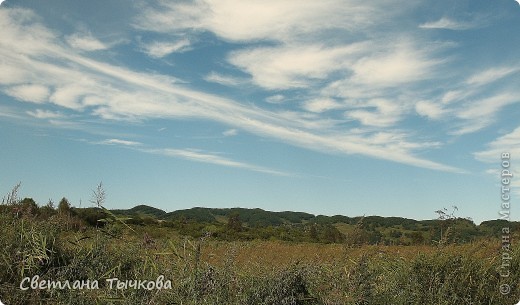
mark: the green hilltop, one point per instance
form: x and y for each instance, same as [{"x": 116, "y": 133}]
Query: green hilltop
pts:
[{"x": 248, "y": 224}]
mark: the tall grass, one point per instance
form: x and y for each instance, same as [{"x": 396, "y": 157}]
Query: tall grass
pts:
[{"x": 204, "y": 271}]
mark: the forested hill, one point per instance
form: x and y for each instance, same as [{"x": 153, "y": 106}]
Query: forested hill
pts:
[
  {"x": 249, "y": 224},
  {"x": 258, "y": 217},
  {"x": 141, "y": 210}
]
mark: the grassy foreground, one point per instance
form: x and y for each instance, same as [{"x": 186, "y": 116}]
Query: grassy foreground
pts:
[{"x": 206, "y": 271}]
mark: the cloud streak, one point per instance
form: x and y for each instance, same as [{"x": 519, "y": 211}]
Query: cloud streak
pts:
[
  {"x": 161, "y": 49},
  {"x": 205, "y": 157},
  {"x": 85, "y": 42},
  {"x": 81, "y": 84},
  {"x": 45, "y": 114},
  {"x": 120, "y": 142},
  {"x": 507, "y": 143},
  {"x": 448, "y": 24}
]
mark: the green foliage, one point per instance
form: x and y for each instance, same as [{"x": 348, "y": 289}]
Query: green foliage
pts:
[
  {"x": 234, "y": 224},
  {"x": 296, "y": 226},
  {"x": 494, "y": 227},
  {"x": 31, "y": 246},
  {"x": 91, "y": 216},
  {"x": 194, "y": 214},
  {"x": 287, "y": 286},
  {"x": 47, "y": 211},
  {"x": 64, "y": 207},
  {"x": 141, "y": 210}
]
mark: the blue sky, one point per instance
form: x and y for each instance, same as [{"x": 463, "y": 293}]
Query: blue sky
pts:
[{"x": 392, "y": 108}]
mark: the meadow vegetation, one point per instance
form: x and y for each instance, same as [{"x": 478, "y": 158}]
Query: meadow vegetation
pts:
[{"x": 228, "y": 259}]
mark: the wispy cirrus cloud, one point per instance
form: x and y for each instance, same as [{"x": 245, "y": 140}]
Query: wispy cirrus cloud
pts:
[
  {"x": 10, "y": 113},
  {"x": 507, "y": 143},
  {"x": 430, "y": 109},
  {"x": 487, "y": 107},
  {"x": 387, "y": 113},
  {"x": 253, "y": 20},
  {"x": 159, "y": 49},
  {"x": 405, "y": 64},
  {"x": 211, "y": 158},
  {"x": 293, "y": 66},
  {"x": 474, "y": 114},
  {"x": 195, "y": 155},
  {"x": 321, "y": 105},
  {"x": 34, "y": 93},
  {"x": 474, "y": 102},
  {"x": 446, "y": 23},
  {"x": 120, "y": 142},
  {"x": 85, "y": 42},
  {"x": 230, "y": 133},
  {"x": 225, "y": 80},
  {"x": 45, "y": 114},
  {"x": 116, "y": 92},
  {"x": 491, "y": 75},
  {"x": 275, "y": 99}
]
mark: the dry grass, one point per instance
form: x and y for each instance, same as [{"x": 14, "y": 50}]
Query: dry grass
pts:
[
  {"x": 246, "y": 273},
  {"x": 271, "y": 254}
]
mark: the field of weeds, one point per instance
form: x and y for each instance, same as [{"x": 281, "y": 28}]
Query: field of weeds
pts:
[{"x": 206, "y": 271}]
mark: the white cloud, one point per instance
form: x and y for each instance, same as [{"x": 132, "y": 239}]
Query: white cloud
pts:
[
  {"x": 476, "y": 84},
  {"x": 404, "y": 64},
  {"x": 114, "y": 92},
  {"x": 346, "y": 89},
  {"x": 11, "y": 74},
  {"x": 455, "y": 95},
  {"x": 293, "y": 66},
  {"x": 225, "y": 80},
  {"x": 22, "y": 34},
  {"x": 29, "y": 93},
  {"x": 321, "y": 105},
  {"x": 45, "y": 114},
  {"x": 120, "y": 142},
  {"x": 474, "y": 102},
  {"x": 491, "y": 75},
  {"x": 487, "y": 107},
  {"x": 386, "y": 113},
  {"x": 230, "y": 133},
  {"x": 85, "y": 42},
  {"x": 448, "y": 24},
  {"x": 161, "y": 49},
  {"x": 429, "y": 109},
  {"x": 507, "y": 143},
  {"x": 308, "y": 51},
  {"x": 253, "y": 19},
  {"x": 275, "y": 99},
  {"x": 479, "y": 114},
  {"x": 10, "y": 113},
  {"x": 69, "y": 96},
  {"x": 200, "y": 156}
]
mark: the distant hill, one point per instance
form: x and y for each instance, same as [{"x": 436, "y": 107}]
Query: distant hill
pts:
[
  {"x": 141, "y": 210},
  {"x": 259, "y": 218},
  {"x": 250, "y": 217},
  {"x": 300, "y": 226}
]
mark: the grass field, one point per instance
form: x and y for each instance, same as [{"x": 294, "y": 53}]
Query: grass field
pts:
[{"x": 207, "y": 271}]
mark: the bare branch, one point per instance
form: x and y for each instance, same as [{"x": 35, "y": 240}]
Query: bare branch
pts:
[
  {"x": 12, "y": 197},
  {"x": 98, "y": 196}
]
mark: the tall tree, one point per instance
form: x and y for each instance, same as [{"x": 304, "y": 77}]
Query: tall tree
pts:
[
  {"x": 64, "y": 207},
  {"x": 234, "y": 222}
]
